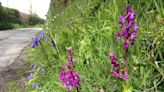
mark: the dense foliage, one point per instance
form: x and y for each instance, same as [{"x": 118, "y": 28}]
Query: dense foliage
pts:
[
  {"x": 34, "y": 19},
  {"x": 11, "y": 18},
  {"x": 8, "y": 17},
  {"x": 90, "y": 28}
]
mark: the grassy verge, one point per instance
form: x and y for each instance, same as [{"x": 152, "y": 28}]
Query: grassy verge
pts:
[{"x": 90, "y": 29}]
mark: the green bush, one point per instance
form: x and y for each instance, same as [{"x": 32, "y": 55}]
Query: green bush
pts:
[
  {"x": 34, "y": 19},
  {"x": 12, "y": 16},
  {"x": 9, "y": 17},
  {"x": 6, "y": 25}
]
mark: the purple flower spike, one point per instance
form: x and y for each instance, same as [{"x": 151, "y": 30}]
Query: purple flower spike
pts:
[
  {"x": 117, "y": 72},
  {"x": 70, "y": 59},
  {"x": 69, "y": 78},
  {"x": 129, "y": 29},
  {"x": 67, "y": 75},
  {"x": 114, "y": 61}
]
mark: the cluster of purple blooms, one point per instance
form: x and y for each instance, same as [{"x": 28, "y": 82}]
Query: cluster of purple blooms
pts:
[
  {"x": 117, "y": 72},
  {"x": 33, "y": 75},
  {"x": 68, "y": 76},
  {"x": 129, "y": 29}
]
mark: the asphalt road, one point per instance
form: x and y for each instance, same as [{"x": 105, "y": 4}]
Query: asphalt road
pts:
[{"x": 12, "y": 42}]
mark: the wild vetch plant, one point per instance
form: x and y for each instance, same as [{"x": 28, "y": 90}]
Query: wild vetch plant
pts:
[
  {"x": 128, "y": 33},
  {"x": 68, "y": 76}
]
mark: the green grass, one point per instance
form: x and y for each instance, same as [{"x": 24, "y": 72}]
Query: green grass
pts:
[{"x": 90, "y": 31}]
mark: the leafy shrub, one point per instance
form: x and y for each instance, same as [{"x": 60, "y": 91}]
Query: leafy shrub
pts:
[
  {"x": 34, "y": 19},
  {"x": 12, "y": 16},
  {"x": 6, "y": 25}
]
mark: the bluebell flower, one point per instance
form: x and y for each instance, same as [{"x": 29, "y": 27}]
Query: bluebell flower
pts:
[
  {"x": 33, "y": 66},
  {"x": 35, "y": 42},
  {"x": 46, "y": 39},
  {"x": 42, "y": 35},
  {"x": 31, "y": 75},
  {"x": 37, "y": 39},
  {"x": 36, "y": 85},
  {"x": 53, "y": 44}
]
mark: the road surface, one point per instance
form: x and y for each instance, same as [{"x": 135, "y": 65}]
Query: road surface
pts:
[{"x": 12, "y": 42}]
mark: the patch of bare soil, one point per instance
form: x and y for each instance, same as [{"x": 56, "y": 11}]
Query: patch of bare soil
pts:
[{"x": 15, "y": 76}]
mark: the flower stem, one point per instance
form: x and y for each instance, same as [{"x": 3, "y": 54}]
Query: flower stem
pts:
[
  {"x": 125, "y": 59},
  {"x": 77, "y": 89},
  {"x": 44, "y": 53}
]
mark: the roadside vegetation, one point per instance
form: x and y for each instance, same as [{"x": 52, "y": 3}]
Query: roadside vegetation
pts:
[
  {"x": 80, "y": 49},
  {"x": 12, "y": 18}
]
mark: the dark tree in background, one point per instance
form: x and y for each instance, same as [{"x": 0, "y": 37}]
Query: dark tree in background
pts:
[{"x": 35, "y": 19}]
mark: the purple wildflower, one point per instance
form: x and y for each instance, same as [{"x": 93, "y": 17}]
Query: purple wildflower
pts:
[
  {"x": 31, "y": 75},
  {"x": 35, "y": 42},
  {"x": 122, "y": 20},
  {"x": 122, "y": 74},
  {"x": 46, "y": 39},
  {"x": 70, "y": 56},
  {"x": 129, "y": 29},
  {"x": 118, "y": 37},
  {"x": 68, "y": 76},
  {"x": 37, "y": 39},
  {"x": 33, "y": 66},
  {"x": 118, "y": 73},
  {"x": 114, "y": 61},
  {"x": 36, "y": 85}
]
